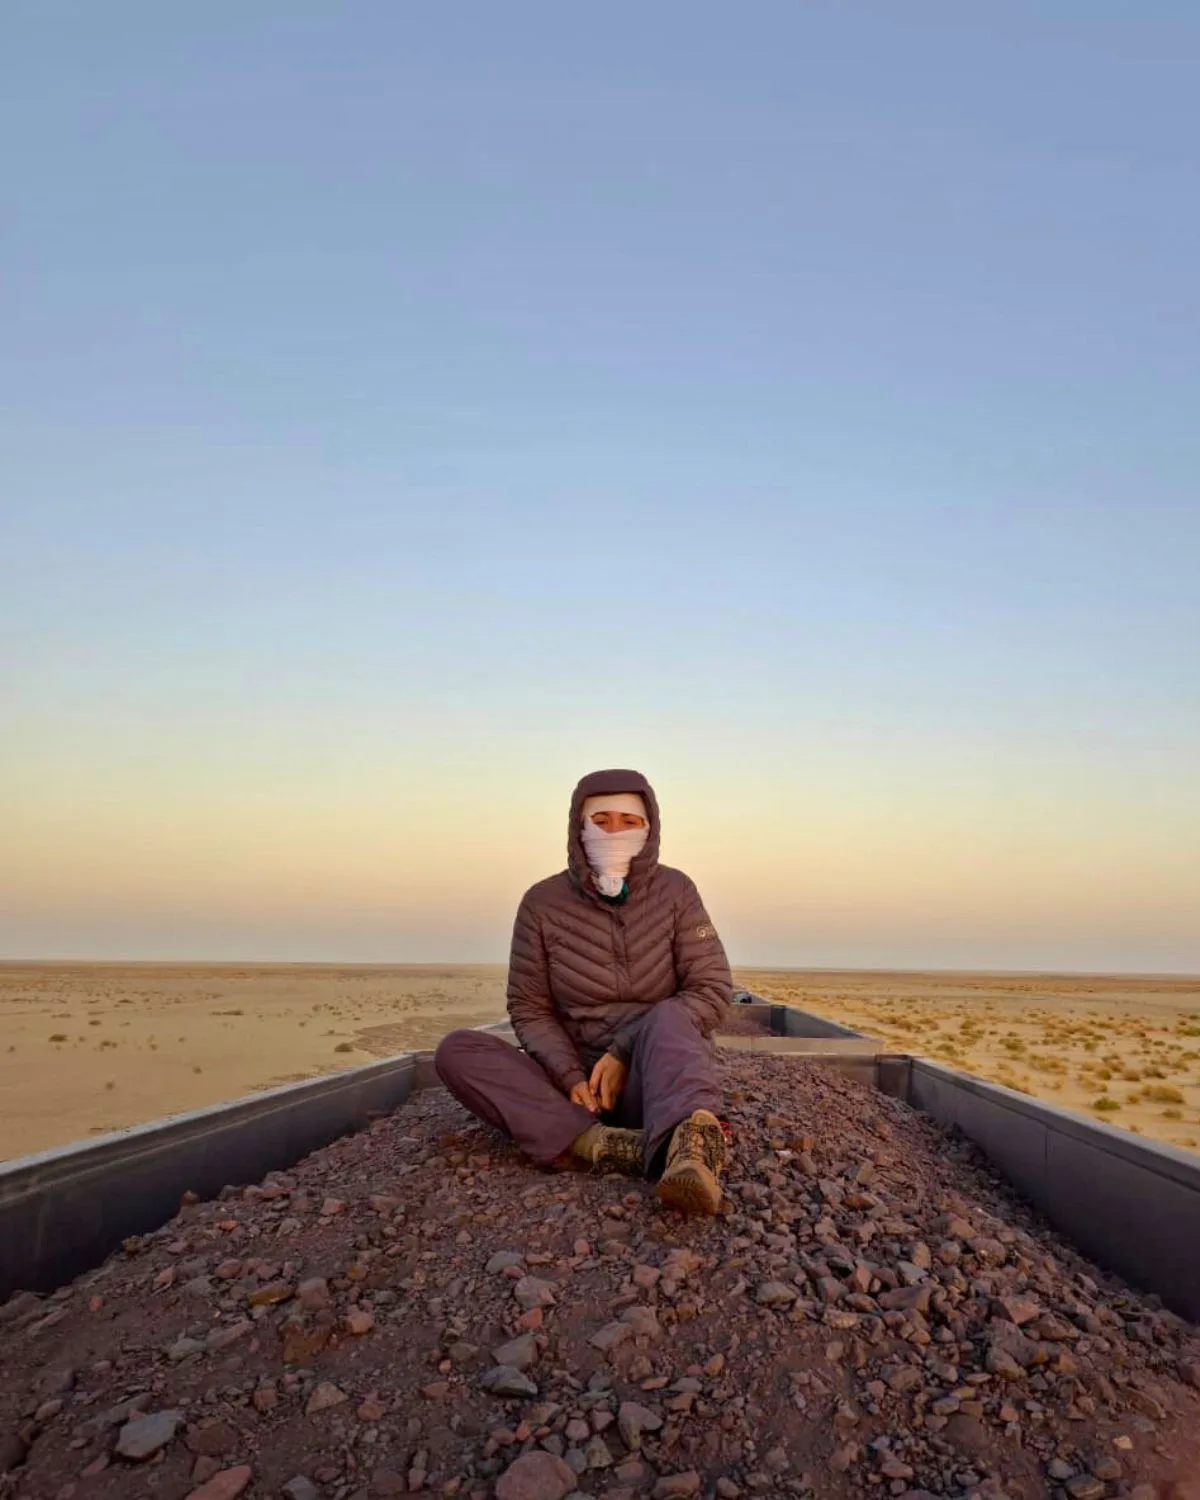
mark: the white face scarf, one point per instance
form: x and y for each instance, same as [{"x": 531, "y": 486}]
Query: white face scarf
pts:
[{"x": 610, "y": 854}]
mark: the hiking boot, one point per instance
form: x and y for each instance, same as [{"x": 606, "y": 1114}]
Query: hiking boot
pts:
[
  {"x": 695, "y": 1160},
  {"x": 605, "y": 1148}
]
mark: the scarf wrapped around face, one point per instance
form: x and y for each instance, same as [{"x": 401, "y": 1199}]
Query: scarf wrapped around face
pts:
[{"x": 610, "y": 854}]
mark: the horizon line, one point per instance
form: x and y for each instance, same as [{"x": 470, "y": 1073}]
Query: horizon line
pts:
[{"x": 761, "y": 968}]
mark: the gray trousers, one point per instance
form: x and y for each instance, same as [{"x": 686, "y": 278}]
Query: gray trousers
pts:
[{"x": 671, "y": 1073}]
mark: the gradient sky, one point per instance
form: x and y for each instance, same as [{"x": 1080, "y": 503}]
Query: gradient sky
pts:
[{"x": 405, "y": 409}]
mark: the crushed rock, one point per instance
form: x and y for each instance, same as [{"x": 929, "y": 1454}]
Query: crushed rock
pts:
[{"x": 872, "y": 1314}]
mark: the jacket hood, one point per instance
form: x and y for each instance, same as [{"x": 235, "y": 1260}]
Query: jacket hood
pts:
[{"x": 600, "y": 784}]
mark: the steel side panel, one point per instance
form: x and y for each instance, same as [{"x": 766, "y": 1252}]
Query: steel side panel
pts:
[
  {"x": 1144, "y": 1226},
  {"x": 62, "y": 1212},
  {"x": 1131, "y": 1205},
  {"x": 787, "y": 1020}
]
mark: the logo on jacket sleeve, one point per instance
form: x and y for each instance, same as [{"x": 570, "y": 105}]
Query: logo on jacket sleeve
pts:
[{"x": 706, "y": 930}]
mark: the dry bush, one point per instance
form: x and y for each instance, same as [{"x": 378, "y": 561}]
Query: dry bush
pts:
[
  {"x": 1159, "y": 1093},
  {"x": 1105, "y": 1105}
]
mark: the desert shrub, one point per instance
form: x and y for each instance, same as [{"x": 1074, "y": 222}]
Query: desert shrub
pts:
[
  {"x": 1105, "y": 1105},
  {"x": 344, "y": 1047},
  {"x": 59, "y": 1036},
  {"x": 1159, "y": 1093},
  {"x": 1172, "y": 1114},
  {"x": 1131, "y": 1075}
]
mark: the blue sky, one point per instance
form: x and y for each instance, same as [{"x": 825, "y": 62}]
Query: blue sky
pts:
[{"x": 403, "y": 411}]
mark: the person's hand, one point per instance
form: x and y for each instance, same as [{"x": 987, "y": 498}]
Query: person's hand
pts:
[
  {"x": 608, "y": 1080},
  {"x": 583, "y": 1095}
]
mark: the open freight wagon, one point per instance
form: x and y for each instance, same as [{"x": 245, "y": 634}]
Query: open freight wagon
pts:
[{"x": 1131, "y": 1206}]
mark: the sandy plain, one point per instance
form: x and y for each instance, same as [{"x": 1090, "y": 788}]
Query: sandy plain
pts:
[
  {"x": 90, "y": 1048},
  {"x": 1119, "y": 1048}
]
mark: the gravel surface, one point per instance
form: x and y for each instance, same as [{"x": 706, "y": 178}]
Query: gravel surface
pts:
[
  {"x": 738, "y": 1023},
  {"x": 416, "y": 1310}
]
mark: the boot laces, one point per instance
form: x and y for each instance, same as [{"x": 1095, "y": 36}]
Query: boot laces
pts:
[{"x": 700, "y": 1139}]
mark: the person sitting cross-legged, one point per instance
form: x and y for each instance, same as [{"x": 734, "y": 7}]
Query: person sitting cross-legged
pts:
[{"x": 617, "y": 981}]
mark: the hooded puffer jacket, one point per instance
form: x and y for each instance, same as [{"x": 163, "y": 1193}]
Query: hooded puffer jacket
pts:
[{"x": 584, "y": 973}]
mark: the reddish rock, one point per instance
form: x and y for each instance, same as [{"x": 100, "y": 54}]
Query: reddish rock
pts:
[
  {"x": 359, "y": 1321},
  {"x": 907, "y": 1298},
  {"x": 531, "y": 1292},
  {"x": 313, "y": 1294},
  {"x": 643, "y": 1321},
  {"x": 677, "y": 1486},
  {"x": 274, "y": 1292},
  {"x": 536, "y": 1476},
  {"x": 388, "y": 1482},
  {"x": 216, "y": 1439},
  {"x": 610, "y": 1336},
  {"x": 325, "y": 1395},
  {"x": 300, "y": 1345},
  {"x": 227, "y": 1485},
  {"x": 1019, "y": 1309}
]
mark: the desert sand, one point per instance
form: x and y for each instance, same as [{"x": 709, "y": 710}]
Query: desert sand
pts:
[
  {"x": 89, "y": 1048},
  {"x": 1120, "y": 1048}
]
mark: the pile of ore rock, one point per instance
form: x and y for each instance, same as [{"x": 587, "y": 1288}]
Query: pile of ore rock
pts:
[{"x": 416, "y": 1310}]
